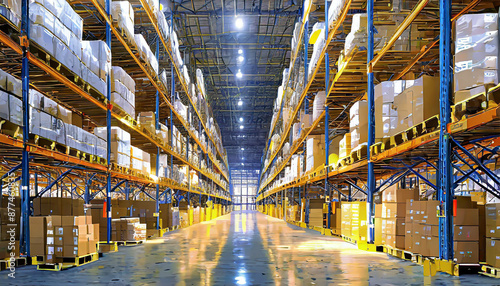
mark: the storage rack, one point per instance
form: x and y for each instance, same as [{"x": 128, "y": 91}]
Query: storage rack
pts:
[
  {"x": 53, "y": 166},
  {"x": 441, "y": 144}
]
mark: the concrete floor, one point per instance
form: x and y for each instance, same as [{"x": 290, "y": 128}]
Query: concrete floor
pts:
[{"x": 243, "y": 248}]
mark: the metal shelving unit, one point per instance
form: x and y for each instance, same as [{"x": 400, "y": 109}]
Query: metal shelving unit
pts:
[
  {"x": 440, "y": 145},
  {"x": 85, "y": 176}
]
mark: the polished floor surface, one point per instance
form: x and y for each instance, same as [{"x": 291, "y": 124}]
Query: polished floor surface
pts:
[{"x": 243, "y": 248}]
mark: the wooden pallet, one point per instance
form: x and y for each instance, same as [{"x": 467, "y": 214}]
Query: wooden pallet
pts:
[
  {"x": 11, "y": 129},
  {"x": 129, "y": 242},
  {"x": 18, "y": 262},
  {"x": 69, "y": 262},
  {"x": 104, "y": 247}
]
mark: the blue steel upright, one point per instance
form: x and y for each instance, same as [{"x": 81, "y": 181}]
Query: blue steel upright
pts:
[
  {"x": 327, "y": 132},
  {"x": 445, "y": 189},
  {"x": 157, "y": 126},
  {"x": 371, "y": 124},
  {"x": 108, "y": 129},
  {"x": 24, "y": 243}
]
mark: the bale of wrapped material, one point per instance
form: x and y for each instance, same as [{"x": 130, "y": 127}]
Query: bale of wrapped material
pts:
[
  {"x": 334, "y": 11},
  {"x": 123, "y": 14},
  {"x": 103, "y": 54},
  {"x": 185, "y": 74},
  {"x": 200, "y": 81},
  {"x": 117, "y": 73},
  {"x": 42, "y": 37},
  {"x": 163, "y": 25}
]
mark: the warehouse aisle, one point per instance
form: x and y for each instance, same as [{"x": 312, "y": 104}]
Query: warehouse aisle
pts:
[{"x": 243, "y": 248}]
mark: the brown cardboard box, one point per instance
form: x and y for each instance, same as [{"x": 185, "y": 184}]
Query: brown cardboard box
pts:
[
  {"x": 37, "y": 249},
  {"x": 470, "y": 78},
  {"x": 466, "y": 251},
  {"x": 68, "y": 221},
  {"x": 395, "y": 194},
  {"x": 431, "y": 246},
  {"x": 378, "y": 210},
  {"x": 493, "y": 252},
  {"x": 395, "y": 226},
  {"x": 430, "y": 230},
  {"x": 465, "y": 94},
  {"x": 378, "y": 231},
  {"x": 6, "y": 247},
  {"x": 417, "y": 244},
  {"x": 58, "y": 241},
  {"x": 463, "y": 202},
  {"x": 58, "y": 251},
  {"x": 466, "y": 233},
  {"x": 393, "y": 210},
  {"x": 430, "y": 214},
  {"x": 409, "y": 242},
  {"x": 92, "y": 246},
  {"x": 466, "y": 217},
  {"x": 396, "y": 241}
]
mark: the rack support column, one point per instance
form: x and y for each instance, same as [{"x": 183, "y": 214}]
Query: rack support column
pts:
[
  {"x": 445, "y": 189},
  {"x": 25, "y": 179},
  {"x": 371, "y": 125},
  {"x": 108, "y": 133}
]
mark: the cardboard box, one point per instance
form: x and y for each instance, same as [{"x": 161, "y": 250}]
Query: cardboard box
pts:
[
  {"x": 466, "y": 251},
  {"x": 466, "y": 217},
  {"x": 345, "y": 146},
  {"x": 465, "y": 233},
  {"x": 396, "y": 241},
  {"x": 430, "y": 214},
  {"x": 393, "y": 210},
  {"x": 493, "y": 252},
  {"x": 378, "y": 231},
  {"x": 395, "y": 194},
  {"x": 470, "y": 78}
]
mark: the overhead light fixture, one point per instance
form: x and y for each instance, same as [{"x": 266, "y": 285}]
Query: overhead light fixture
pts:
[
  {"x": 240, "y": 103},
  {"x": 241, "y": 59},
  {"x": 239, "y": 23},
  {"x": 240, "y": 51},
  {"x": 242, "y": 149},
  {"x": 239, "y": 74},
  {"x": 241, "y": 126},
  {"x": 242, "y": 164},
  {"x": 243, "y": 158},
  {"x": 241, "y": 119}
]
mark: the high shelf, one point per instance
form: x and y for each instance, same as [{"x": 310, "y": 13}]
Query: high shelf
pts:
[
  {"x": 440, "y": 153},
  {"x": 67, "y": 171}
]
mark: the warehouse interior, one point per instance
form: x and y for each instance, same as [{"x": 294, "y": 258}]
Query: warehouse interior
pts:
[{"x": 233, "y": 142}]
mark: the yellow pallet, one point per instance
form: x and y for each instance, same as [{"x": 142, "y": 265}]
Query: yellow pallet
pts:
[
  {"x": 490, "y": 271},
  {"x": 69, "y": 262},
  {"x": 103, "y": 246}
]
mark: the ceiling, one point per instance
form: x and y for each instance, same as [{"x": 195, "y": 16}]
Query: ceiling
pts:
[{"x": 211, "y": 41}]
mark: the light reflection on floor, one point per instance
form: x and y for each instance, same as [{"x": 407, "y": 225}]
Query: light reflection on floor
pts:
[{"x": 243, "y": 248}]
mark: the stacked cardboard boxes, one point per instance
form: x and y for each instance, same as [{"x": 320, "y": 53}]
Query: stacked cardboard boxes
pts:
[
  {"x": 392, "y": 214},
  {"x": 315, "y": 152},
  {"x": 123, "y": 16},
  {"x": 492, "y": 214},
  {"x": 9, "y": 228},
  {"x": 128, "y": 229},
  {"x": 140, "y": 160},
  {"x": 386, "y": 117},
  {"x": 123, "y": 90},
  {"x": 45, "y": 206},
  {"x": 120, "y": 144},
  {"x": 345, "y": 146},
  {"x": 145, "y": 53},
  {"x": 358, "y": 123},
  {"x": 316, "y": 212},
  {"x": 424, "y": 229},
  {"x": 417, "y": 103},
  {"x": 56, "y": 237},
  {"x": 353, "y": 222},
  {"x": 476, "y": 54}
]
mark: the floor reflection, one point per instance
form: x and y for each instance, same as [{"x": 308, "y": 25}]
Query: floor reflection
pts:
[{"x": 243, "y": 248}]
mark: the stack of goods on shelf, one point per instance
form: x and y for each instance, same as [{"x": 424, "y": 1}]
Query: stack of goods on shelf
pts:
[
  {"x": 7, "y": 222},
  {"x": 165, "y": 215},
  {"x": 122, "y": 14},
  {"x": 296, "y": 166},
  {"x": 315, "y": 152},
  {"x": 52, "y": 121},
  {"x": 57, "y": 28},
  {"x": 353, "y": 223},
  {"x": 147, "y": 120},
  {"x": 492, "y": 234},
  {"x": 120, "y": 144},
  {"x": 386, "y": 117},
  {"x": 476, "y": 54},
  {"x": 128, "y": 229},
  {"x": 390, "y": 216},
  {"x": 57, "y": 206},
  {"x": 12, "y": 12},
  {"x": 140, "y": 160},
  {"x": 334, "y": 12},
  {"x": 58, "y": 237},
  {"x": 336, "y": 218},
  {"x": 417, "y": 103},
  {"x": 358, "y": 37},
  {"x": 145, "y": 53},
  {"x": 174, "y": 218},
  {"x": 123, "y": 90},
  {"x": 292, "y": 213},
  {"x": 318, "y": 105},
  {"x": 162, "y": 24},
  {"x": 345, "y": 146},
  {"x": 181, "y": 109},
  {"x": 200, "y": 81},
  {"x": 358, "y": 124},
  {"x": 11, "y": 105},
  {"x": 318, "y": 39},
  {"x": 422, "y": 229},
  {"x": 177, "y": 140}
]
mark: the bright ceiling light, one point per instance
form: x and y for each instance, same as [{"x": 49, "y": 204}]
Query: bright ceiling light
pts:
[
  {"x": 242, "y": 149},
  {"x": 241, "y": 126},
  {"x": 240, "y": 59},
  {"x": 242, "y": 164},
  {"x": 240, "y": 51},
  {"x": 241, "y": 119},
  {"x": 239, "y": 74},
  {"x": 240, "y": 103},
  {"x": 238, "y": 23}
]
